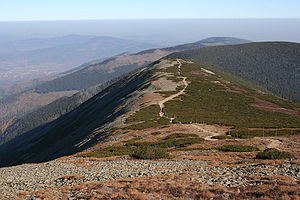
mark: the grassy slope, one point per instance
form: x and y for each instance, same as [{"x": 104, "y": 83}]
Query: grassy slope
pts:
[
  {"x": 208, "y": 102},
  {"x": 205, "y": 101}
]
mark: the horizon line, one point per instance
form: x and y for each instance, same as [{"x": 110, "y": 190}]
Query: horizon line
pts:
[{"x": 123, "y": 19}]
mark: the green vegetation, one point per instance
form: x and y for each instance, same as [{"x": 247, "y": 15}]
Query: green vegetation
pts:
[
  {"x": 152, "y": 123},
  {"x": 272, "y": 65},
  {"x": 144, "y": 114},
  {"x": 192, "y": 149},
  {"x": 110, "y": 151},
  {"x": 237, "y": 148},
  {"x": 150, "y": 152},
  {"x": 156, "y": 133},
  {"x": 274, "y": 154},
  {"x": 142, "y": 152},
  {"x": 146, "y": 118},
  {"x": 176, "y": 140},
  {"x": 175, "y": 143},
  {"x": 245, "y": 133},
  {"x": 147, "y": 150}
]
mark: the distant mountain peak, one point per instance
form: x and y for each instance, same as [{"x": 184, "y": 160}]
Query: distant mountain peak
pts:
[{"x": 224, "y": 40}]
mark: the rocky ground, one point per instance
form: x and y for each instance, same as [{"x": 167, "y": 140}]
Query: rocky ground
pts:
[
  {"x": 194, "y": 174},
  {"x": 26, "y": 181}
]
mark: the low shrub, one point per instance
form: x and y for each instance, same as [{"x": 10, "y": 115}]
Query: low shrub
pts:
[
  {"x": 149, "y": 152},
  {"x": 133, "y": 139},
  {"x": 237, "y": 148},
  {"x": 191, "y": 149},
  {"x": 151, "y": 123},
  {"x": 183, "y": 142},
  {"x": 222, "y": 137},
  {"x": 272, "y": 153},
  {"x": 180, "y": 135},
  {"x": 177, "y": 143},
  {"x": 245, "y": 133},
  {"x": 110, "y": 151},
  {"x": 155, "y": 133}
]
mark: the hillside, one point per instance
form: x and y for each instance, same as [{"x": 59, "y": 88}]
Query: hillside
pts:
[
  {"x": 163, "y": 95},
  {"x": 271, "y": 65},
  {"x": 47, "y": 113},
  {"x": 174, "y": 122},
  {"x": 27, "y": 105},
  {"x": 94, "y": 73},
  {"x": 56, "y": 136}
]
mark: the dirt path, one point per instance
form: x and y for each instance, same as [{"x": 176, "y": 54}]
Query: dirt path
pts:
[
  {"x": 274, "y": 143},
  {"x": 162, "y": 102},
  {"x": 209, "y": 137}
]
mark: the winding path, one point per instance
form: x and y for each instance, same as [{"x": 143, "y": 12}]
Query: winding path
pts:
[
  {"x": 274, "y": 142},
  {"x": 209, "y": 137},
  {"x": 162, "y": 102}
]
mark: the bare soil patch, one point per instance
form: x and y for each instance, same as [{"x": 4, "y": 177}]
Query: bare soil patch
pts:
[
  {"x": 163, "y": 84},
  {"x": 272, "y": 107},
  {"x": 150, "y": 98}
]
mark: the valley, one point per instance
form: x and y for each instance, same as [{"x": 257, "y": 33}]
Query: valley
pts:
[{"x": 38, "y": 58}]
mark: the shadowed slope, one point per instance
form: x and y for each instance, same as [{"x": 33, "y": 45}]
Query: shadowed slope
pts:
[{"x": 60, "y": 137}]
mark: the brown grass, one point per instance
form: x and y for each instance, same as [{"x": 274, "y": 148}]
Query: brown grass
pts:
[
  {"x": 179, "y": 186},
  {"x": 272, "y": 107}
]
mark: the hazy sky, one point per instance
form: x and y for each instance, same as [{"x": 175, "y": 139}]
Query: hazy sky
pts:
[
  {"x": 15, "y": 10},
  {"x": 153, "y": 21},
  {"x": 160, "y": 31}
]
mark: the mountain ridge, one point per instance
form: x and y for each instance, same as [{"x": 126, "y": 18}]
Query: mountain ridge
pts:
[
  {"x": 95, "y": 72},
  {"x": 131, "y": 104}
]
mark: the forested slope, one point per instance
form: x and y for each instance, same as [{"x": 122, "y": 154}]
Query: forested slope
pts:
[{"x": 272, "y": 65}]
